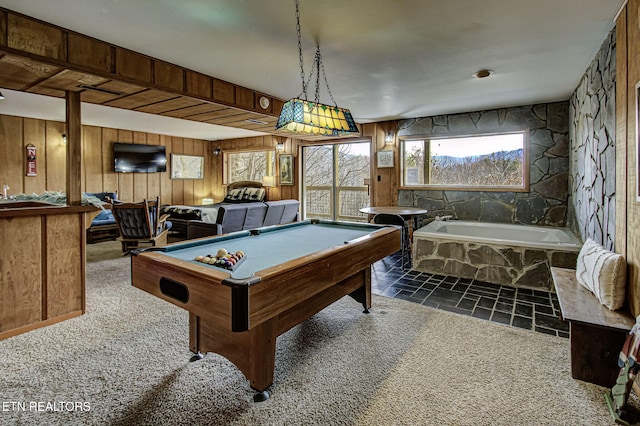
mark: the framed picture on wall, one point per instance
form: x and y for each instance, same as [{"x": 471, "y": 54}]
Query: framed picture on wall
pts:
[
  {"x": 187, "y": 166},
  {"x": 385, "y": 159},
  {"x": 286, "y": 169}
]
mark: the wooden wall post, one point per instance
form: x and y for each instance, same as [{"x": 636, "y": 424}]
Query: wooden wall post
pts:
[{"x": 74, "y": 148}]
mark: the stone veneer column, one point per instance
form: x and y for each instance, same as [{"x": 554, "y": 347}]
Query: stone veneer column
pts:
[{"x": 592, "y": 185}]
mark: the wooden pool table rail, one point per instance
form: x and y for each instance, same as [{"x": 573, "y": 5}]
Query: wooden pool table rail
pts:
[{"x": 210, "y": 297}]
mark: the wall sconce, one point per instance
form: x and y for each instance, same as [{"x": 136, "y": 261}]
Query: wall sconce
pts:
[
  {"x": 217, "y": 151},
  {"x": 388, "y": 137},
  {"x": 64, "y": 139},
  {"x": 279, "y": 147}
]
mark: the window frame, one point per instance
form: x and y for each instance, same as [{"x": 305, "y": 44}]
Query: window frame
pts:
[{"x": 470, "y": 188}]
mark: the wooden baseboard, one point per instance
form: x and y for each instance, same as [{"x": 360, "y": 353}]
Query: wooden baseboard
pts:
[{"x": 44, "y": 323}]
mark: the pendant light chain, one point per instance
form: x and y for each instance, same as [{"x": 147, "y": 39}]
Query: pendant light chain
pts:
[
  {"x": 304, "y": 85},
  {"x": 318, "y": 65},
  {"x": 303, "y": 116},
  {"x": 326, "y": 83}
]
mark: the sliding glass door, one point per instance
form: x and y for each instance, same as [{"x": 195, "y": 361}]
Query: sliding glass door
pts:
[{"x": 335, "y": 180}]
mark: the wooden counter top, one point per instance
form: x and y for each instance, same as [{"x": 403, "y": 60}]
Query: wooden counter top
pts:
[{"x": 38, "y": 208}]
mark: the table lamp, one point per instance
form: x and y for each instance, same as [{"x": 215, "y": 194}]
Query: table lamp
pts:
[{"x": 268, "y": 182}]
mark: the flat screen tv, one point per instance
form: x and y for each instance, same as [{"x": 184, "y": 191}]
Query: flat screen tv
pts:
[{"x": 136, "y": 158}]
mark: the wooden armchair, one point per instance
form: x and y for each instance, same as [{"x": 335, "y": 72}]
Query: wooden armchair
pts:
[{"x": 140, "y": 223}]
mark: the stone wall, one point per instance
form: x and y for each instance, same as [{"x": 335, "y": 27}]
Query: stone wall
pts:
[
  {"x": 547, "y": 200},
  {"x": 592, "y": 183}
]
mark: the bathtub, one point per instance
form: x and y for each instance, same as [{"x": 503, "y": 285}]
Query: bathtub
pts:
[
  {"x": 502, "y": 234},
  {"x": 505, "y": 254}
]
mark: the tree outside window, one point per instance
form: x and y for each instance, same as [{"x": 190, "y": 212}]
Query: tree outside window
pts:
[{"x": 480, "y": 162}]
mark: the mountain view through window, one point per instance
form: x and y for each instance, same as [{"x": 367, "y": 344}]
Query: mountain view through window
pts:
[{"x": 475, "y": 161}]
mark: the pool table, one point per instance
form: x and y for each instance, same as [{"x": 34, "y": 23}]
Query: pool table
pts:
[{"x": 289, "y": 273}]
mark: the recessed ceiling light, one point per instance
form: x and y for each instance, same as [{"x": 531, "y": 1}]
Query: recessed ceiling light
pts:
[{"x": 483, "y": 73}]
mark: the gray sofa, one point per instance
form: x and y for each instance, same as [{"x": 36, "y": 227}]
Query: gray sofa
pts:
[{"x": 245, "y": 216}]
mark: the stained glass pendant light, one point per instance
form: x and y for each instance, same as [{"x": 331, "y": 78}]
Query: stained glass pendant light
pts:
[{"x": 300, "y": 115}]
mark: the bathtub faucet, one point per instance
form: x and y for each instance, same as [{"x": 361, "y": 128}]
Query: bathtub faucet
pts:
[{"x": 444, "y": 218}]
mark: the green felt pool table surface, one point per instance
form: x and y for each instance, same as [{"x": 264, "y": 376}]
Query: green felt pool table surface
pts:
[{"x": 272, "y": 246}]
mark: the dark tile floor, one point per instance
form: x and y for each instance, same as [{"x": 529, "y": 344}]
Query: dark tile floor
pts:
[{"x": 517, "y": 307}]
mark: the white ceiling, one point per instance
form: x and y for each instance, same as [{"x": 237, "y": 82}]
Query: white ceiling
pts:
[{"x": 383, "y": 59}]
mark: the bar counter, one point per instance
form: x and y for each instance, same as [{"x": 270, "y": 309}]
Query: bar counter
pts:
[{"x": 42, "y": 264}]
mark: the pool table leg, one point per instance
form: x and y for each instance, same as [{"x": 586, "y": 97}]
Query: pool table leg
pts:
[
  {"x": 193, "y": 338},
  {"x": 363, "y": 294},
  {"x": 197, "y": 356},
  {"x": 252, "y": 351}
]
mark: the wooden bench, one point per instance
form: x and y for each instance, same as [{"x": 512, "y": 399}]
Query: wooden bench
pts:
[{"x": 596, "y": 333}]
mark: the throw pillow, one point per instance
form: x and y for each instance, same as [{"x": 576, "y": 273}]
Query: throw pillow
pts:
[
  {"x": 603, "y": 272},
  {"x": 234, "y": 195},
  {"x": 253, "y": 194}
]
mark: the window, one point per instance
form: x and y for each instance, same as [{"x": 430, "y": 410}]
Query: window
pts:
[
  {"x": 248, "y": 165},
  {"x": 489, "y": 162},
  {"x": 335, "y": 179}
]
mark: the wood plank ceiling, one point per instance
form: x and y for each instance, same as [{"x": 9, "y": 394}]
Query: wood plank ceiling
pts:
[{"x": 38, "y": 57}]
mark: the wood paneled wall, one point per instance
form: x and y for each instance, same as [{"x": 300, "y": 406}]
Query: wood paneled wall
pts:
[
  {"x": 627, "y": 207},
  {"x": 97, "y": 167},
  {"x": 384, "y": 181}
]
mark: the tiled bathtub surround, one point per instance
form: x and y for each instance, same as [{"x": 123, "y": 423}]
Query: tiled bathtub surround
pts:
[
  {"x": 506, "y": 254},
  {"x": 511, "y": 266}
]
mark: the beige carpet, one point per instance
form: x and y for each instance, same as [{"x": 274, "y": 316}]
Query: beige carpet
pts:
[{"x": 405, "y": 364}]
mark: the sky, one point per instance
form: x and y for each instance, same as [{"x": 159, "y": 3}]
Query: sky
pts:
[
  {"x": 477, "y": 145},
  {"x": 461, "y": 147}
]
